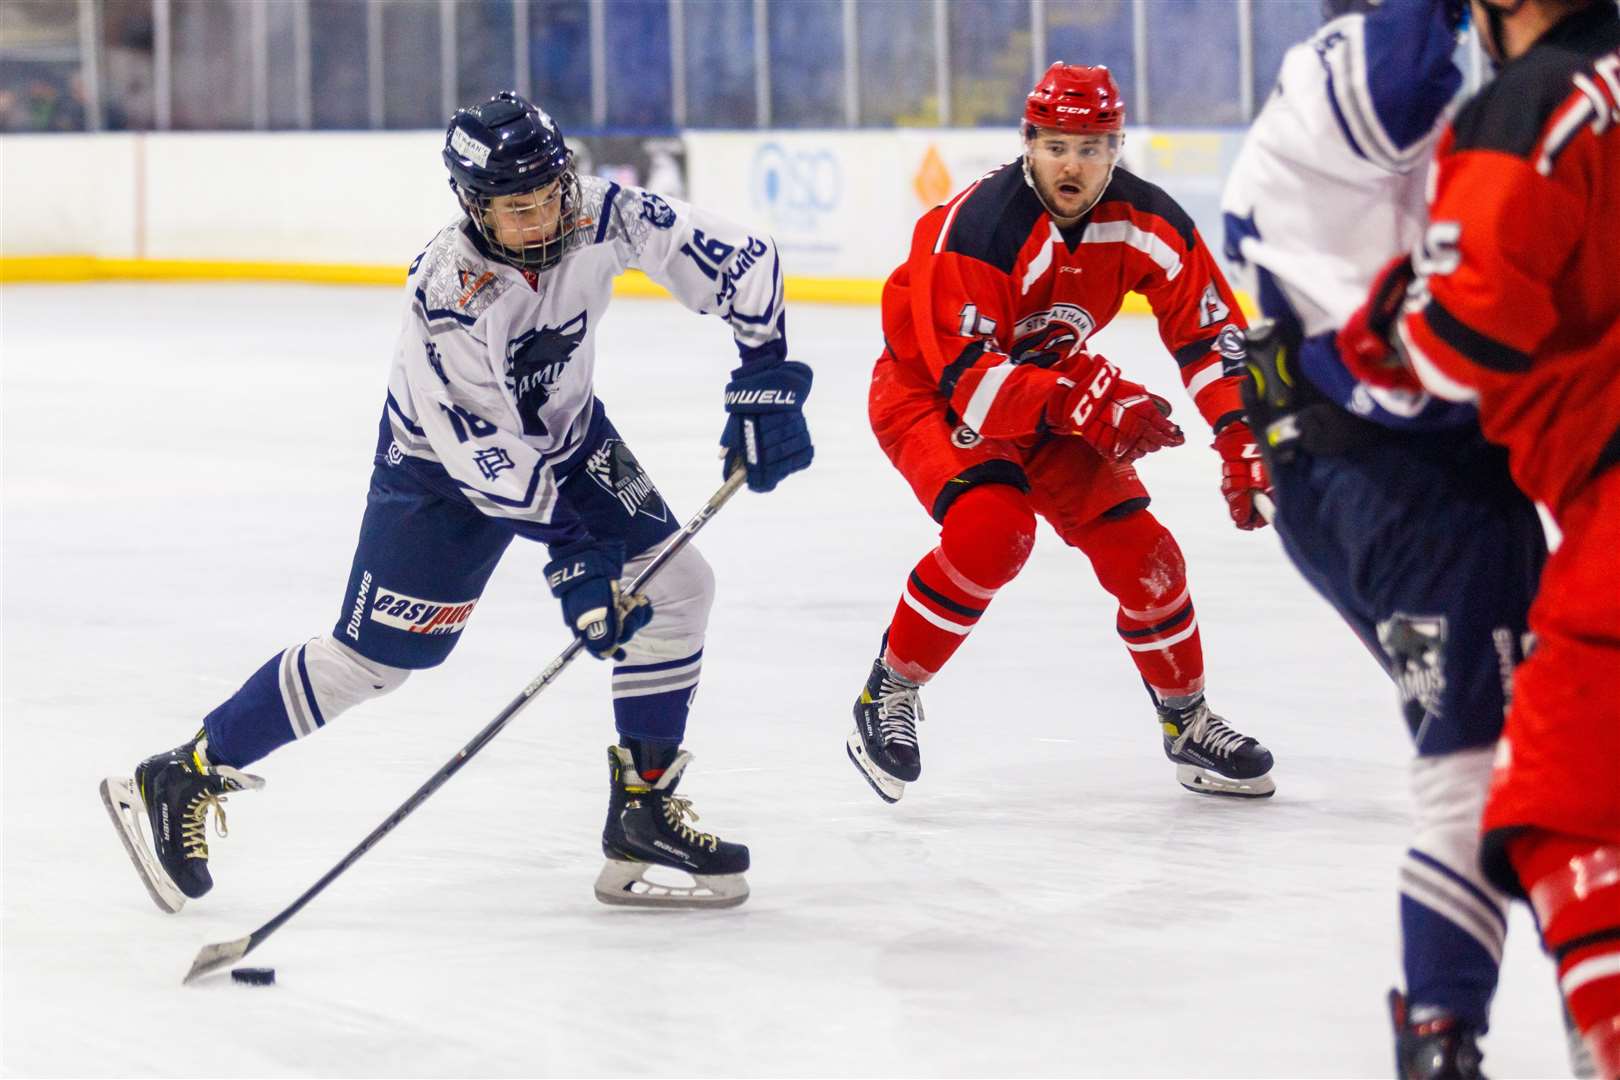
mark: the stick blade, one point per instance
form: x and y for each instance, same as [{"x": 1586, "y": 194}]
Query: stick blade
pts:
[{"x": 212, "y": 958}]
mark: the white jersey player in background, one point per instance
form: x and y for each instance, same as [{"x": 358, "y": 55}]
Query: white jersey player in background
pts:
[
  {"x": 1392, "y": 505},
  {"x": 491, "y": 430}
]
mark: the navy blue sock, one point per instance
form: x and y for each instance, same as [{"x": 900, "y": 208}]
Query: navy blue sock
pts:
[{"x": 255, "y": 720}]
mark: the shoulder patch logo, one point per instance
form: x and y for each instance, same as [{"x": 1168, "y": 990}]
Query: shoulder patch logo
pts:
[
  {"x": 534, "y": 363},
  {"x": 656, "y": 211}
]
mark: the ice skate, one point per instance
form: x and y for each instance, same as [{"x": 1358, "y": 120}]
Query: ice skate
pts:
[
  {"x": 884, "y": 743},
  {"x": 175, "y": 789},
  {"x": 1431, "y": 1044},
  {"x": 647, "y": 827},
  {"x": 1210, "y": 757}
]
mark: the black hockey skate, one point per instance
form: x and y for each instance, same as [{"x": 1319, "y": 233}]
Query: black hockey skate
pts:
[
  {"x": 647, "y": 827},
  {"x": 1431, "y": 1044},
  {"x": 1210, "y": 757},
  {"x": 176, "y": 788},
  {"x": 884, "y": 743}
]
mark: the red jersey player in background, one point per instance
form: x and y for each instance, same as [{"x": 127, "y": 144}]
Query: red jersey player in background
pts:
[
  {"x": 988, "y": 402},
  {"x": 1516, "y": 306}
]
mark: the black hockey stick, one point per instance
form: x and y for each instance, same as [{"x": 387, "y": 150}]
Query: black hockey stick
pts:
[{"x": 212, "y": 958}]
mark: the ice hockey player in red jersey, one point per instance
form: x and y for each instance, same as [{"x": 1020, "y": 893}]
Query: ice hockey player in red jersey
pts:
[
  {"x": 1516, "y": 306},
  {"x": 988, "y": 401}
]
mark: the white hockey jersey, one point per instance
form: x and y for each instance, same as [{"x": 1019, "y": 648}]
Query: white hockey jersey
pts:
[
  {"x": 1329, "y": 184},
  {"x": 491, "y": 393}
]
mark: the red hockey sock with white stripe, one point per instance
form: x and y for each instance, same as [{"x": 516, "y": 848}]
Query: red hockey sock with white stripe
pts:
[
  {"x": 1139, "y": 562},
  {"x": 1574, "y": 886},
  {"x": 986, "y": 539}
]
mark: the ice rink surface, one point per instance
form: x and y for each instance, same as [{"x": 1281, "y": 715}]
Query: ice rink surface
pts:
[{"x": 184, "y": 471}]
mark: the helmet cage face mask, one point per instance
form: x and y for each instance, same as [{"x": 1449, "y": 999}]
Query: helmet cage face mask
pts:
[
  {"x": 542, "y": 220},
  {"x": 498, "y": 152}
]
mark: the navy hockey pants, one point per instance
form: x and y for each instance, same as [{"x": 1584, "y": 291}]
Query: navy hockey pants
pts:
[{"x": 1429, "y": 552}]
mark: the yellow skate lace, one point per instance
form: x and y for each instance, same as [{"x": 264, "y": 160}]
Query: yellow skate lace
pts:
[
  {"x": 194, "y": 828},
  {"x": 677, "y": 811}
]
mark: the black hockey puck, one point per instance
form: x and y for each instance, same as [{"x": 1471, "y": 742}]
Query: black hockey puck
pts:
[{"x": 254, "y": 976}]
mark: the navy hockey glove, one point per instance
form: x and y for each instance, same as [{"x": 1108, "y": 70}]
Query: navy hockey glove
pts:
[
  {"x": 584, "y": 575},
  {"x": 765, "y": 429}
]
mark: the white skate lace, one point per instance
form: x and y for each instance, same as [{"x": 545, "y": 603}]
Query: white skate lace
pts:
[
  {"x": 676, "y": 812},
  {"x": 899, "y": 709},
  {"x": 194, "y": 827},
  {"x": 1212, "y": 734}
]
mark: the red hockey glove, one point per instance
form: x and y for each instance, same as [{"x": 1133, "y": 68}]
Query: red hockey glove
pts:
[
  {"x": 1244, "y": 481},
  {"x": 1120, "y": 419},
  {"x": 1364, "y": 343}
]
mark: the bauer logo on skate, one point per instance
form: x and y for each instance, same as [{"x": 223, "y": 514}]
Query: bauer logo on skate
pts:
[{"x": 420, "y": 616}]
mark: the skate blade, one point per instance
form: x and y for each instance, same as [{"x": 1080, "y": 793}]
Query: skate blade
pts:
[
  {"x": 623, "y": 884},
  {"x": 1204, "y": 782},
  {"x": 887, "y": 787},
  {"x": 126, "y": 809}
]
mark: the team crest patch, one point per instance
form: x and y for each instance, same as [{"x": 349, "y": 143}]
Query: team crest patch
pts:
[
  {"x": 416, "y": 616},
  {"x": 617, "y": 472},
  {"x": 534, "y": 363},
  {"x": 656, "y": 211},
  {"x": 1047, "y": 337},
  {"x": 1232, "y": 345},
  {"x": 1414, "y": 646}
]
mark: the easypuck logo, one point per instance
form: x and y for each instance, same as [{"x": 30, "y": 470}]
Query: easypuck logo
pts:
[
  {"x": 965, "y": 437},
  {"x": 416, "y": 616}
]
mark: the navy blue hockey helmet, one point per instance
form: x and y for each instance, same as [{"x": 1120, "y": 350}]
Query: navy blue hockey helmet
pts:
[{"x": 514, "y": 176}]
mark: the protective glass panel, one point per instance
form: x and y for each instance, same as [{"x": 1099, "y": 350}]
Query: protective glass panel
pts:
[
  {"x": 1279, "y": 24},
  {"x": 897, "y": 63},
  {"x": 807, "y": 64},
  {"x": 484, "y": 65},
  {"x": 638, "y": 77},
  {"x": 128, "y": 100},
  {"x": 213, "y": 56},
  {"x": 1094, "y": 32},
  {"x": 40, "y": 85},
  {"x": 411, "y": 86},
  {"x": 990, "y": 62},
  {"x": 720, "y": 63},
  {"x": 337, "y": 42},
  {"x": 281, "y": 73},
  {"x": 1192, "y": 63},
  {"x": 560, "y": 61}
]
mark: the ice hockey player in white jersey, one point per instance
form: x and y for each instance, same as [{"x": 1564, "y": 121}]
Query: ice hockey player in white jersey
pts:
[
  {"x": 491, "y": 430},
  {"x": 1393, "y": 506}
]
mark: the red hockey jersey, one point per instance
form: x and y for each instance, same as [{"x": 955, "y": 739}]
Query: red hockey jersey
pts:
[
  {"x": 1521, "y": 309},
  {"x": 994, "y": 297}
]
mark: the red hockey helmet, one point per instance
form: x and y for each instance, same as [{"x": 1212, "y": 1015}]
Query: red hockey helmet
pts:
[{"x": 1076, "y": 100}]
